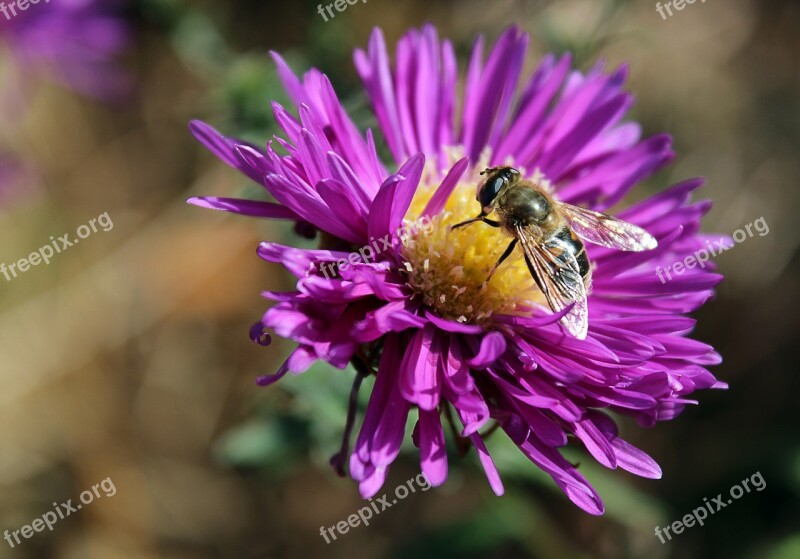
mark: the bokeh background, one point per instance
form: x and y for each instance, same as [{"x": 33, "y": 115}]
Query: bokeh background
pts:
[{"x": 128, "y": 356}]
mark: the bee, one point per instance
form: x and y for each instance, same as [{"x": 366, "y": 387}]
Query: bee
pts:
[{"x": 551, "y": 234}]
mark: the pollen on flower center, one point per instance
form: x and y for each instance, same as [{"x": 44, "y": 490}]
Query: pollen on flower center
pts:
[{"x": 448, "y": 268}]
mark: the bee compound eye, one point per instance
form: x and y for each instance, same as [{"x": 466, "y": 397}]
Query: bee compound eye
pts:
[{"x": 490, "y": 190}]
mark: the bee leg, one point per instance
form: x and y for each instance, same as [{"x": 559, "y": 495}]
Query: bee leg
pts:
[
  {"x": 481, "y": 217},
  {"x": 502, "y": 259},
  {"x": 463, "y": 223},
  {"x": 469, "y": 221}
]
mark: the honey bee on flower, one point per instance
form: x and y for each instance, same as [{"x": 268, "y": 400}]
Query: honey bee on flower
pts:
[{"x": 450, "y": 320}]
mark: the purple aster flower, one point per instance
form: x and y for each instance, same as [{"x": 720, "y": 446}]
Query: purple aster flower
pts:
[
  {"x": 395, "y": 291},
  {"x": 74, "y": 41}
]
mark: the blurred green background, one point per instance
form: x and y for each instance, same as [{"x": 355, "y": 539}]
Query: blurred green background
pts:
[{"x": 128, "y": 357}]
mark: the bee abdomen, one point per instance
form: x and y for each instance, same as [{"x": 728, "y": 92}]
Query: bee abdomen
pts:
[
  {"x": 583, "y": 263},
  {"x": 575, "y": 246}
]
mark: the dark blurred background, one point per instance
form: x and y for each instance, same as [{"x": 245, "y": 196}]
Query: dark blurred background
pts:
[{"x": 128, "y": 357}]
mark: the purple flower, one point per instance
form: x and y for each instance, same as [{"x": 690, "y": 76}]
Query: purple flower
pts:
[
  {"x": 415, "y": 305},
  {"x": 74, "y": 41}
]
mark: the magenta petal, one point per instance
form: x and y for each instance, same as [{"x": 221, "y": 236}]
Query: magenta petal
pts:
[
  {"x": 544, "y": 428},
  {"x": 532, "y": 322},
  {"x": 359, "y": 470},
  {"x": 596, "y": 443},
  {"x": 339, "y": 200},
  {"x": 546, "y": 87},
  {"x": 251, "y": 208},
  {"x": 565, "y": 475},
  {"x": 266, "y": 380},
  {"x": 384, "y": 385},
  {"x": 439, "y": 199},
  {"x": 634, "y": 460},
  {"x": 259, "y": 335},
  {"x": 433, "y": 456},
  {"x": 389, "y": 434},
  {"x": 488, "y": 465},
  {"x": 487, "y": 104},
  {"x": 472, "y": 409},
  {"x": 420, "y": 377},
  {"x": 411, "y": 172},
  {"x": 492, "y": 346},
  {"x": 592, "y": 123},
  {"x": 289, "y": 80},
  {"x": 218, "y": 144},
  {"x": 300, "y": 360},
  {"x": 381, "y": 210},
  {"x": 393, "y": 198},
  {"x": 392, "y": 317},
  {"x": 342, "y": 172},
  {"x": 376, "y": 73},
  {"x": 228, "y": 150},
  {"x": 372, "y": 482},
  {"x": 309, "y": 206},
  {"x": 452, "y": 326},
  {"x": 456, "y": 372},
  {"x": 528, "y": 397},
  {"x": 298, "y": 261},
  {"x": 390, "y": 428}
]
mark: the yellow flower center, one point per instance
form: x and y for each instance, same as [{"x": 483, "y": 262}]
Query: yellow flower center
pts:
[{"x": 449, "y": 268}]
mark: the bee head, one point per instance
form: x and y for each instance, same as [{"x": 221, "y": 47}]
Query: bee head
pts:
[{"x": 497, "y": 178}]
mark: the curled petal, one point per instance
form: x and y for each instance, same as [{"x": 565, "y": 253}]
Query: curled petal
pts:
[{"x": 492, "y": 346}]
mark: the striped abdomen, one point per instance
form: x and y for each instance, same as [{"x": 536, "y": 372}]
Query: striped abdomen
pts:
[{"x": 570, "y": 242}]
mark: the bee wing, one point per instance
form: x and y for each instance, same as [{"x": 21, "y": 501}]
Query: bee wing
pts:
[
  {"x": 605, "y": 230},
  {"x": 557, "y": 274}
]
